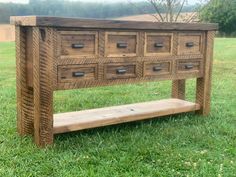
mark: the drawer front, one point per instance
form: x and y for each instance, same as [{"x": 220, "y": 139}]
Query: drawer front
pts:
[
  {"x": 73, "y": 73},
  {"x": 190, "y": 43},
  {"x": 158, "y": 44},
  {"x": 189, "y": 66},
  {"x": 157, "y": 68},
  {"x": 120, "y": 71},
  {"x": 121, "y": 44},
  {"x": 78, "y": 43}
]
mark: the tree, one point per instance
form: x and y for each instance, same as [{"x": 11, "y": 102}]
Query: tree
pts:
[
  {"x": 222, "y": 12},
  {"x": 170, "y": 10}
]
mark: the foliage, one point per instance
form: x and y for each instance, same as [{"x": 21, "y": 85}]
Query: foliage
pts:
[
  {"x": 182, "y": 145},
  {"x": 222, "y": 12}
]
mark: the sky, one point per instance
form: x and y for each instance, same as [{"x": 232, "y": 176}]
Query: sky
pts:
[{"x": 26, "y": 1}]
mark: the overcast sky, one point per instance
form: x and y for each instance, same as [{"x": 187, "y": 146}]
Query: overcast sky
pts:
[{"x": 26, "y": 1}]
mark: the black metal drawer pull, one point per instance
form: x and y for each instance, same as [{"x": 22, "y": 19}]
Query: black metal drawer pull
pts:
[
  {"x": 159, "y": 45},
  {"x": 121, "y": 71},
  {"x": 188, "y": 66},
  {"x": 78, "y": 74},
  {"x": 189, "y": 44},
  {"x": 122, "y": 45},
  {"x": 157, "y": 68},
  {"x": 77, "y": 46}
]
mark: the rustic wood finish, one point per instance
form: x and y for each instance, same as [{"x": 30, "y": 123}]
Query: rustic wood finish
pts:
[
  {"x": 107, "y": 24},
  {"x": 157, "y": 68},
  {"x": 25, "y": 122},
  {"x": 190, "y": 43},
  {"x": 158, "y": 44},
  {"x": 178, "y": 89},
  {"x": 78, "y": 44},
  {"x": 43, "y": 85},
  {"x": 120, "y": 70},
  {"x": 121, "y": 44},
  {"x": 189, "y": 66},
  {"x": 74, "y": 73},
  {"x": 203, "y": 91},
  {"x": 73, "y": 121},
  {"x": 62, "y": 53}
]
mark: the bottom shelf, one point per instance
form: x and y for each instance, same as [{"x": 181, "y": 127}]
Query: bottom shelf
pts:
[{"x": 72, "y": 121}]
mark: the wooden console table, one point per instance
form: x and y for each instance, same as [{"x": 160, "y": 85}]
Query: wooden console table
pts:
[{"x": 67, "y": 53}]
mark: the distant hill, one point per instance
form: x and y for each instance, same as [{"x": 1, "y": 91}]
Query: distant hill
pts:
[
  {"x": 7, "y": 33},
  {"x": 190, "y": 17}
]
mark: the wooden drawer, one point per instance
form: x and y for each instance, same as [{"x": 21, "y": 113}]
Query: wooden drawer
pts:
[
  {"x": 157, "y": 68},
  {"x": 190, "y": 43},
  {"x": 158, "y": 44},
  {"x": 73, "y": 73},
  {"x": 78, "y": 43},
  {"x": 120, "y": 70},
  {"x": 189, "y": 66},
  {"x": 121, "y": 44}
]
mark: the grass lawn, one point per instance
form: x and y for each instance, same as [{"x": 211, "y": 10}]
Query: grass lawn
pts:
[{"x": 182, "y": 145}]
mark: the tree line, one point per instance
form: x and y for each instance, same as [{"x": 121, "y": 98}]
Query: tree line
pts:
[
  {"x": 76, "y": 9},
  {"x": 216, "y": 11}
]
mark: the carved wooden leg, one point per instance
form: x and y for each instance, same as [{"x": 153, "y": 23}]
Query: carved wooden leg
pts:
[
  {"x": 204, "y": 84},
  {"x": 43, "y": 86},
  {"x": 178, "y": 89},
  {"x": 24, "y": 93}
]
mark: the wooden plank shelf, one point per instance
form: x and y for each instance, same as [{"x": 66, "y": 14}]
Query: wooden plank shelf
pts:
[{"x": 72, "y": 121}]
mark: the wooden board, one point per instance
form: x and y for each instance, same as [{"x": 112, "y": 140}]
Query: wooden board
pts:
[
  {"x": 72, "y": 121},
  {"x": 95, "y": 23}
]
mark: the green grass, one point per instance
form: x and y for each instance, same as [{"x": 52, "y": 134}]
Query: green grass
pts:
[{"x": 182, "y": 145}]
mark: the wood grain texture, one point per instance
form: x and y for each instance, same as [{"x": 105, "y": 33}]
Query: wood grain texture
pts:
[
  {"x": 178, "y": 85},
  {"x": 189, "y": 37},
  {"x": 157, "y": 68},
  {"x": 178, "y": 89},
  {"x": 102, "y": 60},
  {"x": 110, "y": 82},
  {"x": 109, "y": 24},
  {"x": 129, "y": 39},
  {"x": 158, "y": 43},
  {"x": 120, "y": 70},
  {"x": 43, "y": 85},
  {"x": 56, "y": 51},
  {"x": 87, "y": 39},
  {"x": 66, "y": 122},
  {"x": 189, "y": 66},
  {"x": 203, "y": 91},
  {"x": 29, "y": 57},
  {"x": 73, "y": 73},
  {"x": 101, "y": 43},
  {"x": 24, "y": 92}
]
